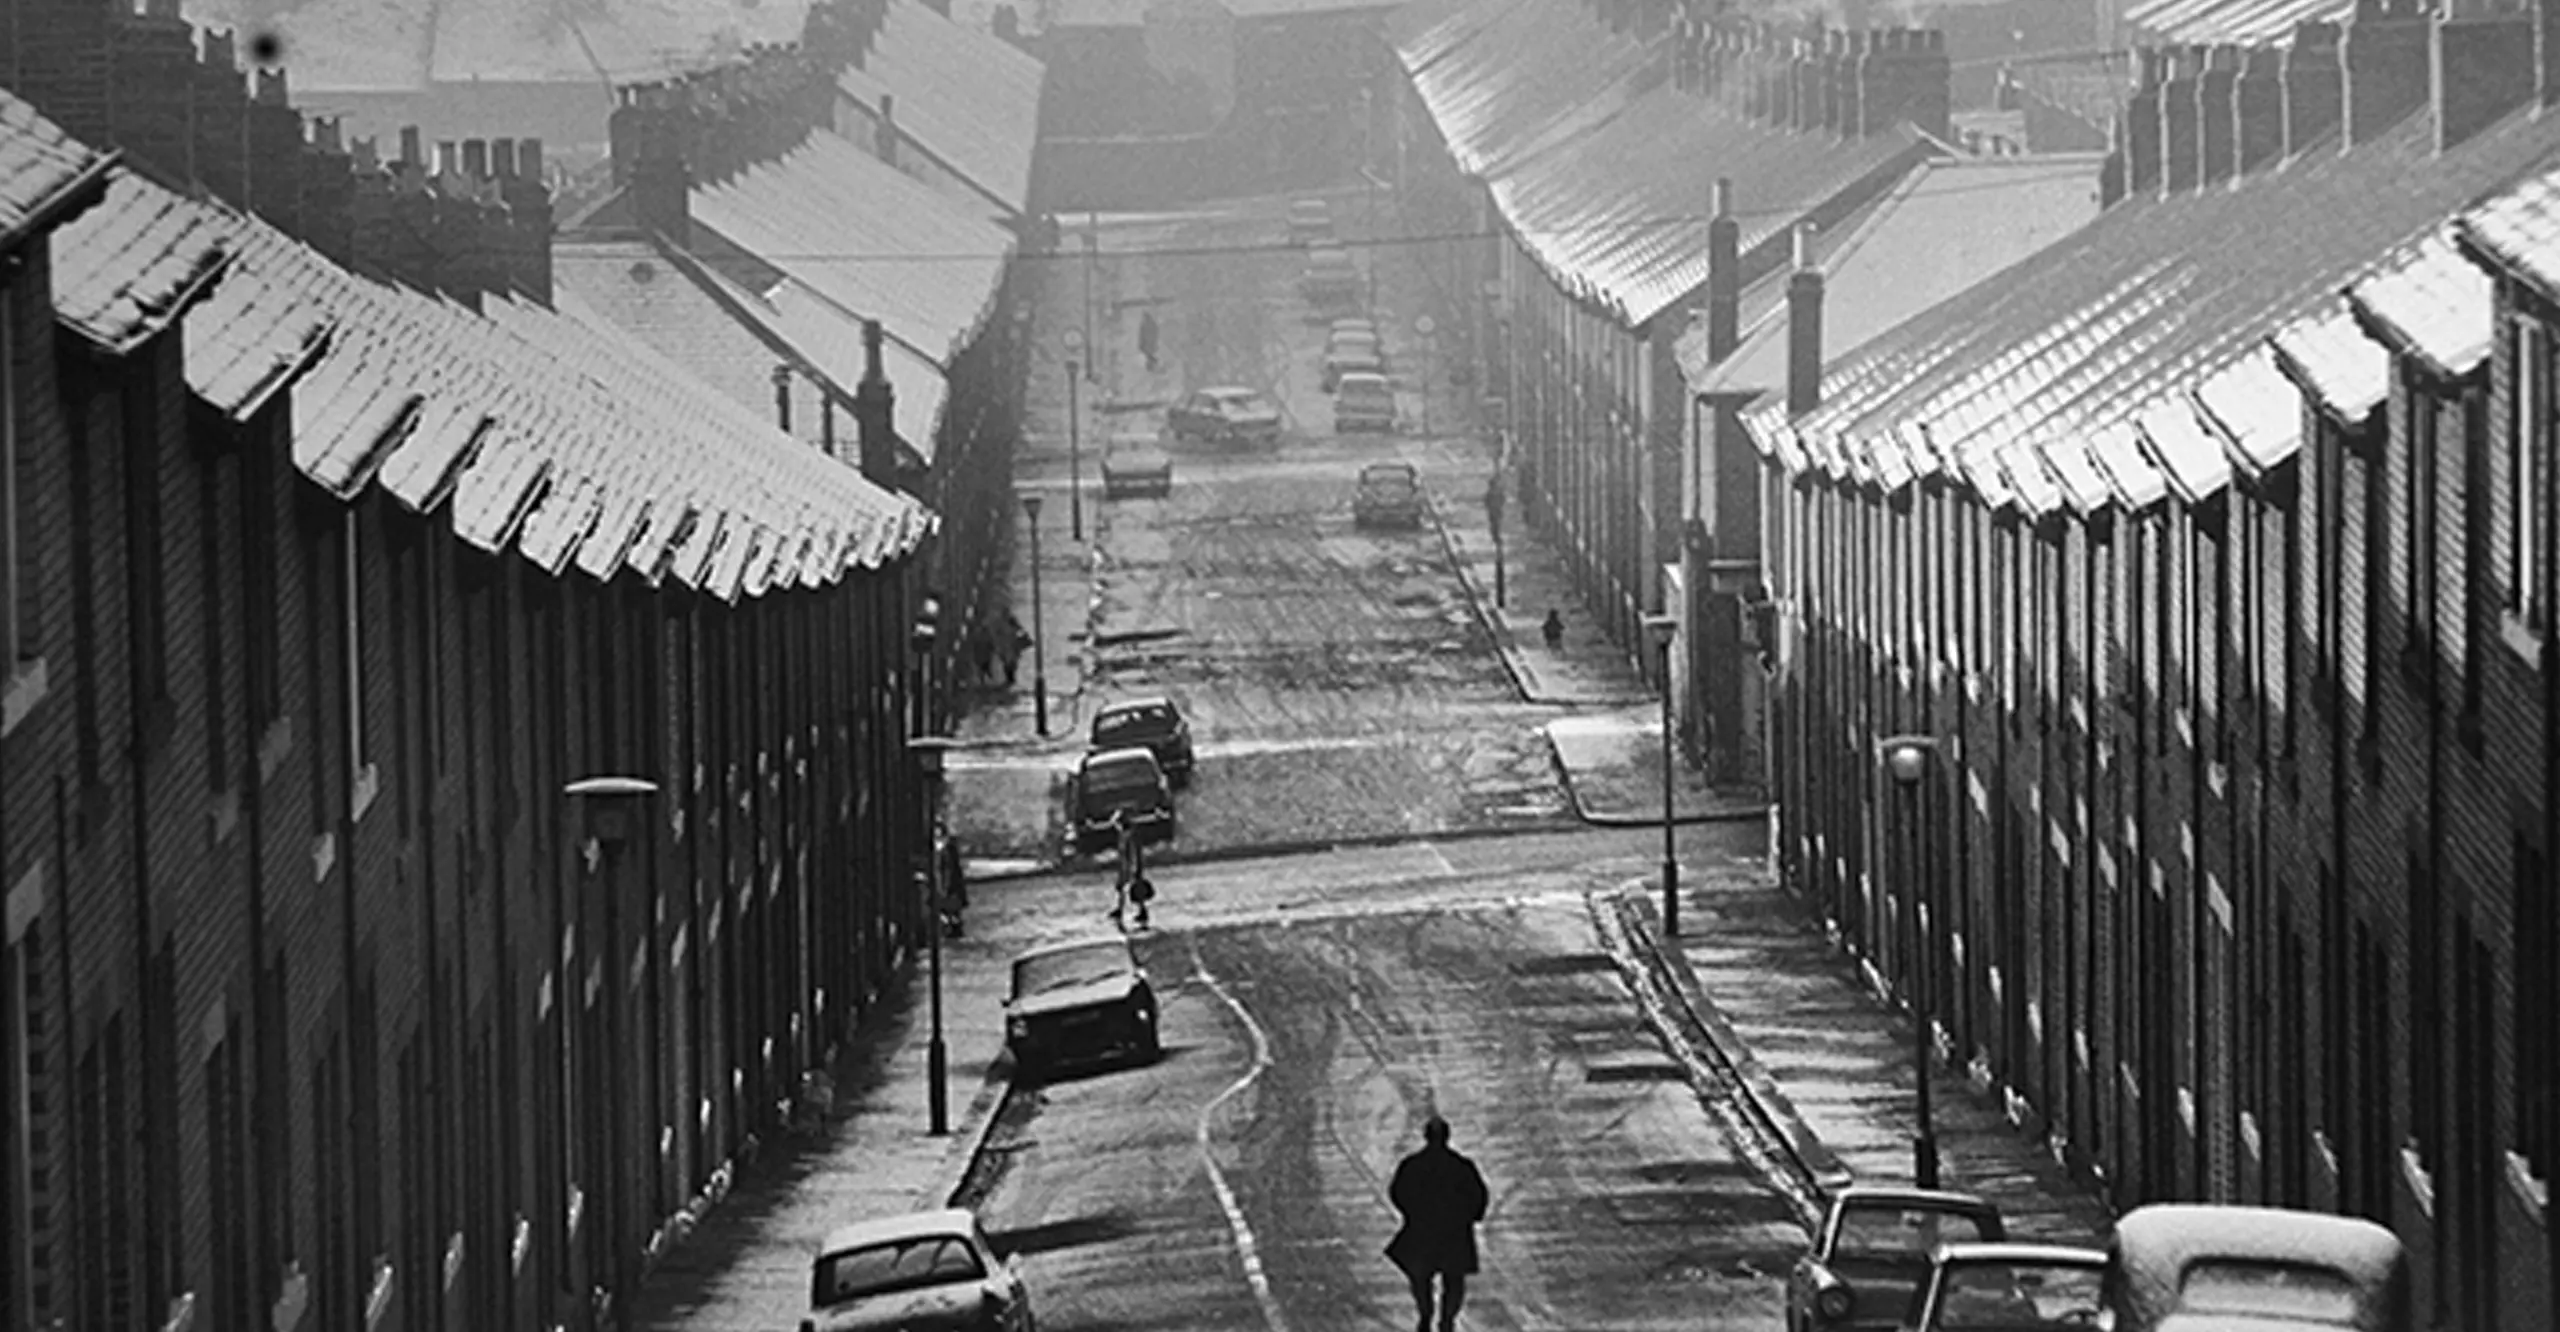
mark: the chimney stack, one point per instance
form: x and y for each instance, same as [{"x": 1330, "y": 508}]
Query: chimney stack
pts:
[
  {"x": 327, "y": 203},
  {"x": 273, "y": 179},
  {"x": 2483, "y": 68},
  {"x": 1804, "y": 327},
  {"x": 874, "y": 421},
  {"x": 2217, "y": 129},
  {"x": 2385, "y": 54},
  {"x": 528, "y": 199},
  {"x": 1724, "y": 276},
  {"x": 2314, "y": 86},
  {"x": 221, "y": 120},
  {"x": 2138, "y": 130},
  {"x": 2546, "y": 51},
  {"x": 1905, "y": 76},
  {"x": 2179, "y": 134},
  {"x": 2257, "y": 109},
  {"x": 1851, "y": 84},
  {"x": 886, "y": 134},
  {"x": 154, "y": 69},
  {"x": 660, "y": 177}
]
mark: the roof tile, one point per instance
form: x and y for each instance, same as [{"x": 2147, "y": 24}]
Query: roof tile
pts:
[
  {"x": 968, "y": 97},
  {"x": 2430, "y": 300},
  {"x": 38, "y": 162},
  {"x": 2520, "y": 229},
  {"x": 2190, "y": 455},
  {"x": 128, "y": 268},
  {"x": 2257, "y": 409},
  {"x": 2328, "y": 353}
]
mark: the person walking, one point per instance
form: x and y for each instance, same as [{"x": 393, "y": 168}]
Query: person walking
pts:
[
  {"x": 1147, "y": 337},
  {"x": 1553, "y": 629},
  {"x": 1015, "y": 642},
  {"x": 1441, "y": 1196},
  {"x": 982, "y": 652}
]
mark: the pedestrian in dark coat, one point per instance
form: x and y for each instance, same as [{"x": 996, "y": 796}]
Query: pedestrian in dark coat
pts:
[
  {"x": 982, "y": 651},
  {"x": 1015, "y": 641},
  {"x": 1441, "y": 1197},
  {"x": 1553, "y": 629},
  {"x": 1147, "y": 337}
]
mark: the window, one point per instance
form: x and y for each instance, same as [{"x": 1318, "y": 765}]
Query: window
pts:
[
  {"x": 2536, "y": 1017},
  {"x": 351, "y": 657},
  {"x": 17, "y": 574},
  {"x": 2418, "y": 575},
  {"x": 2525, "y": 561},
  {"x": 212, "y": 470},
  {"x": 146, "y": 568}
]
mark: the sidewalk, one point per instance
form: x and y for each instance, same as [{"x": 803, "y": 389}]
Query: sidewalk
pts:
[
  {"x": 746, "y": 1264},
  {"x": 1827, "y": 1064}
]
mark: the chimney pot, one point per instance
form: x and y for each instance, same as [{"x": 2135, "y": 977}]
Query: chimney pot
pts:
[
  {"x": 1724, "y": 275},
  {"x": 2257, "y": 109},
  {"x": 874, "y": 417},
  {"x": 409, "y": 150}
]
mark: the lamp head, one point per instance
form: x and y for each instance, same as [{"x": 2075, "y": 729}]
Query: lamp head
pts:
[
  {"x": 929, "y": 751},
  {"x": 610, "y": 805},
  {"x": 1662, "y": 629},
  {"x": 1907, "y": 757},
  {"x": 1031, "y": 507}
]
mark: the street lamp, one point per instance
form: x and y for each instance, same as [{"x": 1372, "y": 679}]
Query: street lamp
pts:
[
  {"x": 1908, "y": 759},
  {"x": 1426, "y": 326},
  {"x": 612, "y": 809},
  {"x": 1075, "y": 446},
  {"x": 1039, "y": 656},
  {"x": 928, "y": 751},
  {"x": 1663, "y": 629}
]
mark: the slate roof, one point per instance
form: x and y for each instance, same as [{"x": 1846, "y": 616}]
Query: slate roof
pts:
[
  {"x": 967, "y": 96},
  {"x": 867, "y": 236},
  {"x": 725, "y": 335},
  {"x": 2154, "y": 298},
  {"x": 2237, "y": 22},
  {"x": 129, "y": 267},
  {"x": 1506, "y": 79},
  {"x": 257, "y": 333},
  {"x": 2520, "y": 232},
  {"x": 2342, "y": 369},
  {"x": 1950, "y": 223},
  {"x": 2429, "y": 301},
  {"x": 2257, "y": 410},
  {"x": 42, "y": 169}
]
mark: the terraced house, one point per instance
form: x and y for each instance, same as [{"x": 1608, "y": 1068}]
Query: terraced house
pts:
[
  {"x": 2212, "y": 547},
  {"x": 332, "y": 563}
]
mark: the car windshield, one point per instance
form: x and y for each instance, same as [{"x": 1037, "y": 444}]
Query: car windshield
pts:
[
  {"x": 1901, "y": 1232},
  {"x": 1120, "y": 774},
  {"x": 1153, "y": 719},
  {"x": 1064, "y": 967},
  {"x": 2287, "y": 1290},
  {"x": 1239, "y": 403},
  {"x": 2020, "y": 1295},
  {"x": 885, "y": 1269}
]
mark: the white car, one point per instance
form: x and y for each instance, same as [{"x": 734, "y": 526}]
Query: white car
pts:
[{"x": 926, "y": 1272}]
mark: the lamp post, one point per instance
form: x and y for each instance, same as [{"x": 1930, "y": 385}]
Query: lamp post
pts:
[
  {"x": 1039, "y": 655},
  {"x": 1909, "y": 759},
  {"x": 1075, "y": 446},
  {"x": 612, "y": 809},
  {"x": 1664, "y": 628},
  {"x": 928, "y": 750},
  {"x": 1426, "y": 326}
]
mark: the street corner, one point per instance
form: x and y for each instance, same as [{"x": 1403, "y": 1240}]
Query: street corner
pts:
[{"x": 1613, "y": 771}]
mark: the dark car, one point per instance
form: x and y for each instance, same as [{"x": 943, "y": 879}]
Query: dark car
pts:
[
  {"x": 1224, "y": 415},
  {"x": 1117, "y": 789},
  {"x": 1868, "y": 1262},
  {"x": 1153, "y": 723},
  {"x": 1082, "y": 1000},
  {"x": 1389, "y": 494}
]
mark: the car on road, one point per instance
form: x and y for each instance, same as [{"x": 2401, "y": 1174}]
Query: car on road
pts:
[
  {"x": 1310, "y": 222},
  {"x": 1352, "y": 324},
  {"x": 2188, "y": 1267},
  {"x": 1388, "y": 494},
  {"x": 931, "y": 1269},
  {"x": 2008, "y": 1286},
  {"x": 1332, "y": 276},
  {"x": 1136, "y": 469},
  {"x": 1080, "y": 1000},
  {"x": 1115, "y": 790},
  {"x": 1351, "y": 353},
  {"x": 1225, "y": 414},
  {"x": 1871, "y": 1255},
  {"x": 1152, "y": 722},
  {"x": 1364, "y": 400}
]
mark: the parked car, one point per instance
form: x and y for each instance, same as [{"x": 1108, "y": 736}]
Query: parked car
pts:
[
  {"x": 1225, "y": 414},
  {"x": 1310, "y": 222},
  {"x": 1865, "y": 1267},
  {"x": 1351, "y": 353},
  {"x": 2181, "y": 1267},
  {"x": 1363, "y": 400},
  {"x": 928, "y": 1269},
  {"x": 1389, "y": 494},
  {"x": 1153, "y": 723},
  {"x": 2013, "y": 1287},
  {"x": 1117, "y": 788},
  {"x": 1136, "y": 469},
  {"x": 1080, "y": 1000},
  {"x": 1352, "y": 324},
  {"x": 1332, "y": 276}
]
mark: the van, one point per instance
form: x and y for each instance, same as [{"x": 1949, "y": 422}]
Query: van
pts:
[{"x": 1364, "y": 401}]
